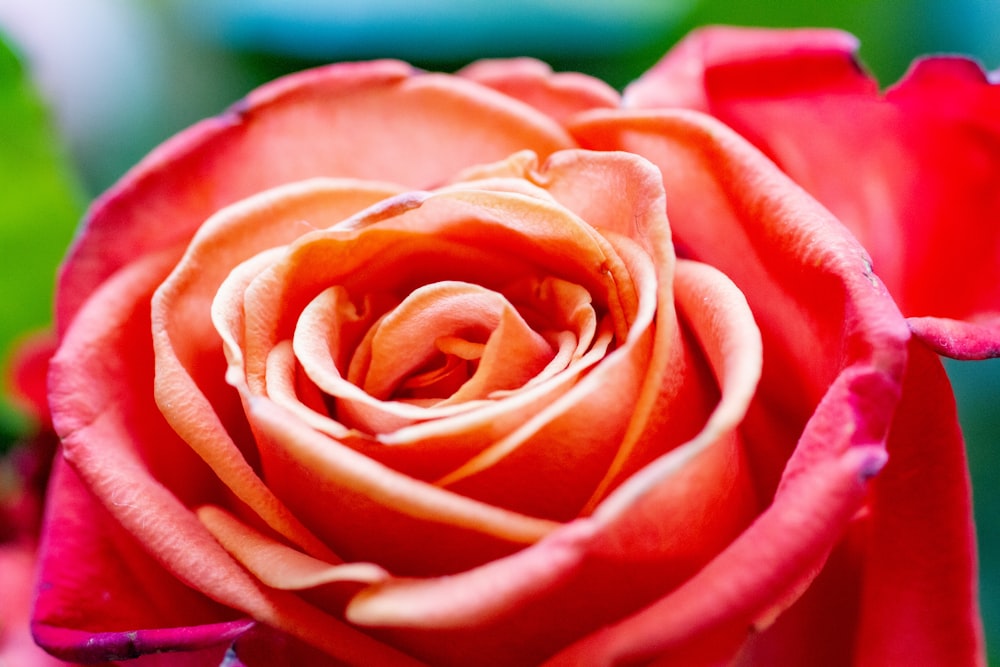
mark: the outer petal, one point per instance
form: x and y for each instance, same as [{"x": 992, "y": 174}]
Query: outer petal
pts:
[
  {"x": 729, "y": 206},
  {"x": 727, "y": 203},
  {"x": 350, "y": 120},
  {"x": 896, "y": 592},
  {"x": 100, "y": 597},
  {"x": 533, "y": 82},
  {"x": 919, "y": 604},
  {"x": 913, "y": 173},
  {"x": 29, "y": 367}
]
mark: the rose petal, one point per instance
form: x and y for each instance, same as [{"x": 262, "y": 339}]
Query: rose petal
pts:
[
  {"x": 101, "y": 424},
  {"x": 769, "y": 565},
  {"x": 885, "y": 165},
  {"x": 671, "y": 485},
  {"x": 140, "y": 608},
  {"x": 17, "y": 565},
  {"x": 895, "y": 592},
  {"x": 275, "y": 564},
  {"x": 533, "y": 82},
  {"x": 975, "y": 338},
  {"x": 189, "y": 366},
  {"x": 29, "y": 365},
  {"x": 302, "y": 465},
  {"x": 346, "y": 120},
  {"x": 476, "y": 596},
  {"x": 556, "y": 457},
  {"x": 919, "y": 601},
  {"x": 732, "y": 207},
  {"x": 265, "y": 647},
  {"x": 408, "y": 337}
]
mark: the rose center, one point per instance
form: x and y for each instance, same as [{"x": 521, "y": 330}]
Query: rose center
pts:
[{"x": 449, "y": 341}]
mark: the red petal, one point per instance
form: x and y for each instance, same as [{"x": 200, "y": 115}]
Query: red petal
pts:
[
  {"x": 101, "y": 597},
  {"x": 900, "y": 589},
  {"x": 913, "y": 173},
  {"x": 919, "y": 603}
]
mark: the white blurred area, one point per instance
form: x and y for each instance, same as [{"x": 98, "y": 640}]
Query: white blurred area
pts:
[{"x": 99, "y": 64}]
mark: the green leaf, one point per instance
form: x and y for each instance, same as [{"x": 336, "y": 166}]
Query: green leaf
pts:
[{"x": 40, "y": 205}]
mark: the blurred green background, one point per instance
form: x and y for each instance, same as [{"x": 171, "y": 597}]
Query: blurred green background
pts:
[{"x": 92, "y": 85}]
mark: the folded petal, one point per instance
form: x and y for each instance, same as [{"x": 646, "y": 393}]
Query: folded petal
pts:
[
  {"x": 913, "y": 172},
  {"x": 140, "y": 607},
  {"x": 816, "y": 428}
]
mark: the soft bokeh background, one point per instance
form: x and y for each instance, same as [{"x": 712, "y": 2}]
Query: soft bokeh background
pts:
[{"x": 103, "y": 81}]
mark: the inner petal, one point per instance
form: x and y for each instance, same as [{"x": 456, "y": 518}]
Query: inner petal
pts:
[{"x": 451, "y": 339}]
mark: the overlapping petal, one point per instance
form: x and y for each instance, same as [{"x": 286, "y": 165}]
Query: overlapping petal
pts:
[
  {"x": 885, "y": 164},
  {"x": 353, "y": 121},
  {"x": 726, "y": 204}
]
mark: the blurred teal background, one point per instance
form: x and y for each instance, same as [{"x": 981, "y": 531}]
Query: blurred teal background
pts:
[{"x": 116, "y": 77}]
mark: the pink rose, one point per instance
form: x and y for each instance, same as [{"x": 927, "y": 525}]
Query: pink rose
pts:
[{"x": 386, "y": 367}]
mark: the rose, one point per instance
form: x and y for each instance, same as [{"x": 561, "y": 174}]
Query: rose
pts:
[{"x": 348, "y": 373}]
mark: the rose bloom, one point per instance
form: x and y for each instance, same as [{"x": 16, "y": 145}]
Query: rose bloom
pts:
[{"x": 383, "y": 367}]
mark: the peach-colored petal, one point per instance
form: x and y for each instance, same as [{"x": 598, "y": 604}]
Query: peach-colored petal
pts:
[
  {"x": 278, "y": 565},
  {"x": 722, "y": 322},
  {"x": 302, "y": 465},
  {"x": 557, "y": 456},
  {"x": 435, "y": 241},
  {"x": 104, "y": 427},
  {"x": 186, "y": 343},
  {"x": 438, "y": 316},
  {"x": 733, "y": 208}
]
